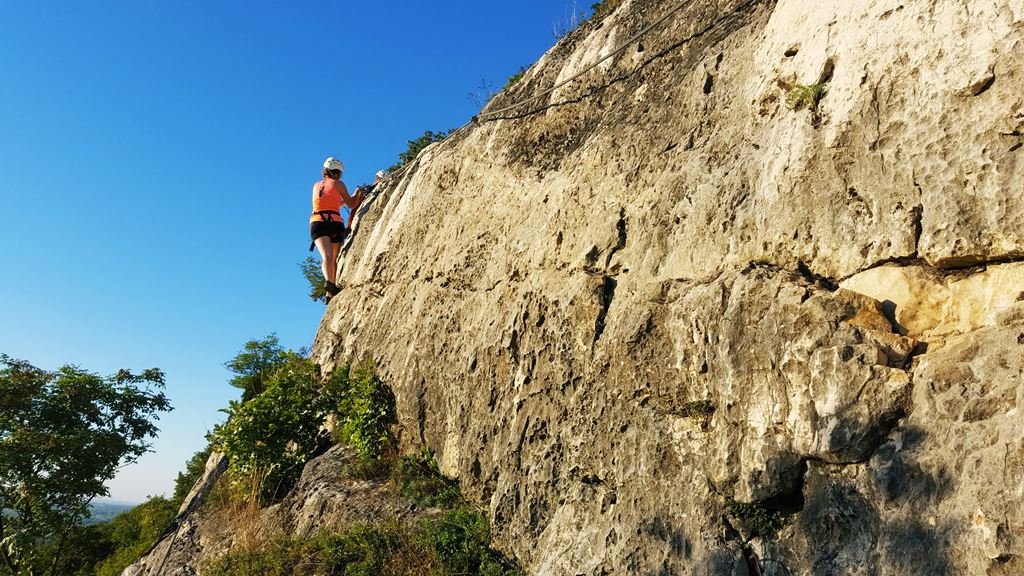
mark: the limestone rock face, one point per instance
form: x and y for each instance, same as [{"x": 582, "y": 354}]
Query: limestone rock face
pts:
[
  {"x": 635, "y": 314},
  {"x": 953, "y": 471},
  {"x": 930, "y": 304}
]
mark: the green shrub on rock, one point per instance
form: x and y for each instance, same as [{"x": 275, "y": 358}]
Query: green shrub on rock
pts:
[
  {"x": 462, "y": 540},
  {"x": 419, "y": 480},
  {"x": 366, "y": 411},
  {"x": 269, "y": 438}
]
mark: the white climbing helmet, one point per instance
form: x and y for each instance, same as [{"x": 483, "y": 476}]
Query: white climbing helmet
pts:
[{"x": 333, "y": 163}]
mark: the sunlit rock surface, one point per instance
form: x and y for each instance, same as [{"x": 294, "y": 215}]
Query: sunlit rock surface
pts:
[
  {"x": 627, "y": 308},
  {"x": 616, "y": 307}
]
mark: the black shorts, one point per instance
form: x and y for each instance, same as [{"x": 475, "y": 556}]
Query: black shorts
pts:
[{"x": 336, "y": 230}]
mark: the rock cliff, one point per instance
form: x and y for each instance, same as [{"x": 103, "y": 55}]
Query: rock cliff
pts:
[
  {"x": 744, "y": 298},
  {"x": 625, "y": 311}
]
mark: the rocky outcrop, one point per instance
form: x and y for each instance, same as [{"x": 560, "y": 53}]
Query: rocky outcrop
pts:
[
  {"x": 929, "y": 303},
  {"x": 325, "y": 498},
  {"x": 656, "y": 291}
]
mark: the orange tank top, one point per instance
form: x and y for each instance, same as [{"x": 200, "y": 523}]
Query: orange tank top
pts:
[{"x": 326, "y": 201}]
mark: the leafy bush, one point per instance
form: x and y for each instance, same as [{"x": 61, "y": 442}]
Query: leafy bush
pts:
[
  {"x": 107, "y": 548},
  {"x": 314, "y": 275},
  {"x": 419, "y": 480},
  {"x": 82, "y": 549},
  {"x": 462, "y": 540},
  {"x": 366, "y": 411},
  {"x": 805, "y": 96},
  {"x": 416, "y": 146},
  {"x": 269, "y": 438}
]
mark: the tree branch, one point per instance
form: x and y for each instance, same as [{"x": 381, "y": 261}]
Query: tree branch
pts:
[{"x": 8, "y": 562}]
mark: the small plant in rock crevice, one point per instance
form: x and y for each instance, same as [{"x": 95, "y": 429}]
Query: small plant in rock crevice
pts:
[
  {"x": 414, "y": 147},
  {"x": 760, "y": 521},
  {"x": 698, "y": 410},
  {"x": 604, "y": 8},
  {"x": 515, "y": 78},
  {"x": 805, "y": 96}
]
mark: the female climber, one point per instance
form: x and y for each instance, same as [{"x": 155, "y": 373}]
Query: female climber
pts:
[{"x": 326, "y": 227}]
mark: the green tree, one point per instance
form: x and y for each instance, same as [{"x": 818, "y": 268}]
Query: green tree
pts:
[
  {"x": 63, "y": 435},
  {"x": 194, "y": 469},
  {"x": 135, "y": 532},
  {"x": 254, "y": 365},
  {"x": 312, "y": 273}
]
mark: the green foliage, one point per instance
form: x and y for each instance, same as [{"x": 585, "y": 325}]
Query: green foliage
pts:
[
  {"x": 255, "y": 364},
  {"x": 454, "y": 544},
  {"x": 133, "y": 533},
  {"x": 279, "y": 559},
  {"x": 365, "y": 550},
  {"x": 81, "y": 550},
  {"x": 420, "y": 481},
  {"x": 603, "y": 8},
  {"x": 269, "y": 438},
  {"x": 63, "y": 435},
  {"x": 107, "y": 548},
  {"x": 366, "y": 411},
  {"x": 760, "y": 520},
  {"x": 462, "y": 538},
  {"x": 315, "y": 276},
  {"x": 416, "y": 146},
  {"x": 367, "y": 469},
  {"x": 805, "y": 96},
  {"x": 194, "y": 469},
  {"x": 513, "y": 79}
]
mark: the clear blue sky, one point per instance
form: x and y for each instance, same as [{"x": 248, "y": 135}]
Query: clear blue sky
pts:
[{"x": 156, "y": 160}]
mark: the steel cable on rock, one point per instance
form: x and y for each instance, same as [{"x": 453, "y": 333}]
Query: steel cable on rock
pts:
[
  {"x": 494, "y": 114},
  {"x": 483, "y": 116},
  {"x": 487, "y": 116}
]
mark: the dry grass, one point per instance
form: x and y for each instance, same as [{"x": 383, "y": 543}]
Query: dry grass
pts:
[{"x": 233, "y": 511}]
